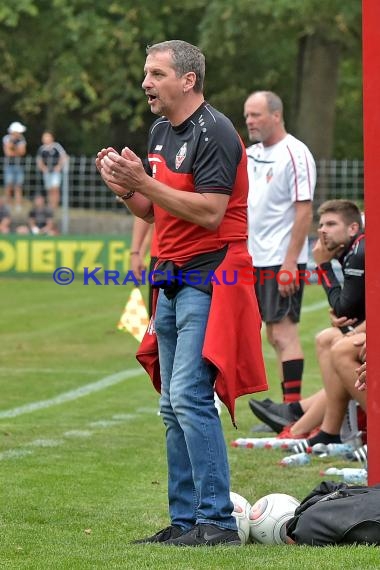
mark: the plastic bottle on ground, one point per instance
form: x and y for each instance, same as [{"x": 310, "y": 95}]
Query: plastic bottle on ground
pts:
[
  {"x": 323, "y": 450},
  {"x": 276, "y": 443},
  {"x": 349, "y": 474},
  {"x": 250, "y": 442},
  {"x": 295, "y": 460}
]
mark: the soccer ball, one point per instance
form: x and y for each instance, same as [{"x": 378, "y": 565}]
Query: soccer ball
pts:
[
  {"x": 267, "y": 518},
  {"x": 240, "y": 512}
]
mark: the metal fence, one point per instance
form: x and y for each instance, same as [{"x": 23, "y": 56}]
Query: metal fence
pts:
[
  {"x": 83, "y": 189},
  {"x": 81, "y": 181},
  {"x": 340, "y": 179}
]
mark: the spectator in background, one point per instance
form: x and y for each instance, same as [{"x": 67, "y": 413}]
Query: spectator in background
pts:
[
  {"x": 5, "y": 217},
  {"x": 14, "y": 146},
  {"x": 40, "y": 220},
  {"x": 41, "y": 217},
  {"x": 51, "y": 158},
  {"x": 282, "y": 178}
]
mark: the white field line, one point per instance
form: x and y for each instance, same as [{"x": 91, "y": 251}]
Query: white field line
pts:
[
  {"x": 78, "y": 433},
  {"x": 15, "y": 453},
  {"x": 45, "y": 442},
  {"x": 104, "y": 423},
  {"x": 13, "y": 370},
  {"x": 73, "y": 394},
  {"x": 100, "y": 384},
  {"x": 116, "y": 419}
]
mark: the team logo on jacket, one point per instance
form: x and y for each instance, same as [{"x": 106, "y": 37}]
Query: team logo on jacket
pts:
[{"x": 180, "y": 156}]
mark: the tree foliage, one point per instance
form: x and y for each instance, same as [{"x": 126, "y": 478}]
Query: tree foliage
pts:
[
  {"x": 76, "y": 66},
  {"x": 257, "y": 44}
]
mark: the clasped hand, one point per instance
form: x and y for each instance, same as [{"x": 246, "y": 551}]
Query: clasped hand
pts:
[{"x": 122, "y": 172}]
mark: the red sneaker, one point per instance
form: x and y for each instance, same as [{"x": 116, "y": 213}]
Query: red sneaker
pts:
[
  {"x": 287, "y": 433},
  {"x": 314, "y": 432}
]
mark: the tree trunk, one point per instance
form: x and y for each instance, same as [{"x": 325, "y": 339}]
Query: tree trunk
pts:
[{"x": 316, "y": 88}]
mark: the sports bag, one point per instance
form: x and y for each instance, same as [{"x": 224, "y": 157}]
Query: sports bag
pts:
[{"x": 335, "y": 513}]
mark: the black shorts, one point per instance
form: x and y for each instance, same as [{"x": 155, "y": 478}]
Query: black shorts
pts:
[{"x": 273, "y": 307}]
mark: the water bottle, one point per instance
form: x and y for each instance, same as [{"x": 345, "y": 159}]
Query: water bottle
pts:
[
  {"x": 295, "y": 460},
  {"x": 275, "y": 443},
  {"x": 349, "y": 475},
  {"x": 358, "y": 478},
  {"x": 263, "y": 442},
  {"x": 323, "y": 450},
  {"x": 250, "y": 442},
  {"x": 239, "y": 442}
]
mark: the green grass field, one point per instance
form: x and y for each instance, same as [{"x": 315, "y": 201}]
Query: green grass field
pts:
[{"x": 82, "y": 457}]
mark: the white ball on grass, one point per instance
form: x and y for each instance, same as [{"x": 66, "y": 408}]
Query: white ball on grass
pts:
[
  {"x": 268, "y": 517},
  {"x": 240, "y": 512}
]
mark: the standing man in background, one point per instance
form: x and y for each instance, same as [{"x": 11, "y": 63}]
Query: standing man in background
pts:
[
  {"x": 282, "y": 178},
  {"x": 14, "y": 146},
  {"x": 51, "y": 158}
]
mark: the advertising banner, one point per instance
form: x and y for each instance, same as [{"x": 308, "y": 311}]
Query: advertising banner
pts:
[{"x": 42, "y": 255}]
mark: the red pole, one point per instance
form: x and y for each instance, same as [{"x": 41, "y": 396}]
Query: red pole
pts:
[{"x": 371, "y": 101}]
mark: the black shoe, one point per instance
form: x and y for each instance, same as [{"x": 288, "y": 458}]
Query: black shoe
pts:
[
  {"x": 277, "y": 416},
  {"x": 262, "y": 428},
  {"x": 206, "y": 535},
  {"x": 170, "y": 532}
]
